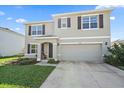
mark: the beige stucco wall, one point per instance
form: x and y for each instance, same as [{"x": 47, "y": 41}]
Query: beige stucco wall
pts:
[
  {"x": 30, "y": 39},
  {"x": 52, "y": 29},
  {"x": 74, "y": 32}
]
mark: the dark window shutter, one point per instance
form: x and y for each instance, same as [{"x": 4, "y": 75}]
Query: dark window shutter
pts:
[
  {"x": 50, "y": 50},
  {"x": 43, "y": 30},
  {"x": 42, "y": 51},
  {"x": 29, "y": 30},
  {"x": 28, "y": 48},
  {"x": 101, "y": 21},
  {"x": 68, "y": 22},
  {"x": 42, "y": 47},
  {"x": 79, "y": 22},
  {"x": 59, "y": 23}
]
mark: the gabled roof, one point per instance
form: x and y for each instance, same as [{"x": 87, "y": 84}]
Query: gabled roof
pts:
[
  {"x": 70, "y": 13},
  {"x": 84, "y": 12},
  {"x": 10, "y": 31},
  {"x": 37, "y": 22}
]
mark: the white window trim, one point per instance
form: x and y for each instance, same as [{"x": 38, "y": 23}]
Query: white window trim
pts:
[
  {"x": 37, "y": 35},
  {"x": 89, "y": 15},
  {"x": 66, "y": 23},
  {"x": 36, "y": 31}
]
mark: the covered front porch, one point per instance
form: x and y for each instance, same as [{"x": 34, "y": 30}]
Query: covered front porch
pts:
[{"x": 46, "y": 49}]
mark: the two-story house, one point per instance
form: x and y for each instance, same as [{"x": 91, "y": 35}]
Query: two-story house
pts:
[{"x": 78, "y": 36}]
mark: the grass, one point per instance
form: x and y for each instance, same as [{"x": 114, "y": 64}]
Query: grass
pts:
[
  {"x": 4, "y": 60},
  {"x": 121, "y": 67},
  {"x": 18, "y": 76}
]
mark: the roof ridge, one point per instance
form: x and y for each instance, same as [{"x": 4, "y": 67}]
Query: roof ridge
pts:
[{"x": 9, "y": 30}]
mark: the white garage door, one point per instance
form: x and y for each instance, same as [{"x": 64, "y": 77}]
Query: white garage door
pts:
[{"x": 87, "y": 53}]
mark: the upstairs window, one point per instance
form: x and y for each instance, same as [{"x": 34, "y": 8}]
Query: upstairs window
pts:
[
  {"x": 89, "y": 22},
  {"x": 86, "y": 22},
  {"x": 63, "y": 22},
  {"x": 39, "y": 30},
  {"x": 36, "y": 30},
  {"x": 93, "y": 21},
  {"x": 33, "y": 30}
]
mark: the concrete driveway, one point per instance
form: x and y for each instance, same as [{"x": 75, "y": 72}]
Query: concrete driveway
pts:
[{"x": 84, "y": 75}]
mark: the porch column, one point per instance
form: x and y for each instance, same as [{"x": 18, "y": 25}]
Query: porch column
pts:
[
  {"x": 39, "y": 52},
  {"x": 55, "y": 51}
]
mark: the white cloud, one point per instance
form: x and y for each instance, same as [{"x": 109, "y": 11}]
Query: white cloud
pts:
[
  {"x": 2, "y": 13},
  {"x": 11, "y": 29},
  {"x": 112, "y": 17},
  {"x": 17, "y": 29},
  {"x": 9, "y": 18},
  {"x": 108, "y": 6},
  {"x": 20, "y": 20}
]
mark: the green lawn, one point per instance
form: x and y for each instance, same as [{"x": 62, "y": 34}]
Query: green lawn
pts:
[
  {"x": 7, "y": 59},
  {"x": 17, "y": 76}
]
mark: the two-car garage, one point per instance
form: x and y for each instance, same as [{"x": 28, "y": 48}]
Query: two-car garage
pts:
[{"x": 82, "y": 52}]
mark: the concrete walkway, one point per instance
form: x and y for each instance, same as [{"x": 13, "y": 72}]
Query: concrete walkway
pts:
[
  {"x": 84, "y": 75},
  {"x": 45, "y": 64}
]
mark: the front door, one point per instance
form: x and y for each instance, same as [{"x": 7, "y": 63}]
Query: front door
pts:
[{"x": 46, "y": 50}]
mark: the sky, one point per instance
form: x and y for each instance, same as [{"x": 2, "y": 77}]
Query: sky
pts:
[{"x": 13, "y": 17}]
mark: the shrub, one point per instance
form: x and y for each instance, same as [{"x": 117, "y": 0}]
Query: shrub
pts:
[
  {"x": 24, "y": 61},
  {"x": 27, "y": 61},
  {"x": 52, "y": 61},
  {"x": 116, "y": 56}
]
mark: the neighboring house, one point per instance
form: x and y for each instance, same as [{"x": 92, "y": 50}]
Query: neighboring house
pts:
[
  {"x": 118, "y": 41},
  {"x": 11, "y": 43},
  {"x": 77, "y": 36}
]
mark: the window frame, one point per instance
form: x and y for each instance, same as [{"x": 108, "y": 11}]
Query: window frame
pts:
[
  {"x": 34, "y": 48},
  {"x": 94, "y": 22},
  {"x": 82, "y": 22},
  {"x": 66, "y": 22},
  {"x": 89, "y": 16},
  {"x": 37, "y": 30}
]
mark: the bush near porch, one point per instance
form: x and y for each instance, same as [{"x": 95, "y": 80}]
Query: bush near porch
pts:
[
  {"x": 52, "y": 61},
  {"x": 116, "y": 56},
  {"x": 25, "y": 61}
]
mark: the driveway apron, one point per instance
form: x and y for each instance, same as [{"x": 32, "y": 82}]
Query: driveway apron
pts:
[{"x": 84, "y": 75}]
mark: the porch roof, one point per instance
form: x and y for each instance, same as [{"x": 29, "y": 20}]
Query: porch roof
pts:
[{"x": 46, "y": 37}]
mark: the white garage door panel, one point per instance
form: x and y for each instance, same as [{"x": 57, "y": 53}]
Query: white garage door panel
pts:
[{"x": 89, "y": 53}]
